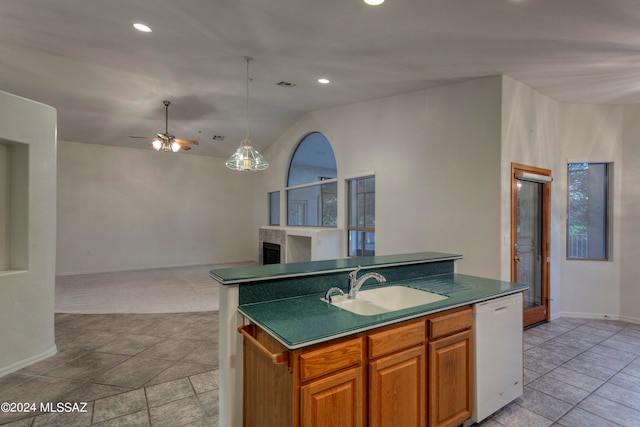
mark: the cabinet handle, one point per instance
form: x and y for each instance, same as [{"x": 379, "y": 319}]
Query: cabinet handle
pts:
[{"x": 277, "y": 358}]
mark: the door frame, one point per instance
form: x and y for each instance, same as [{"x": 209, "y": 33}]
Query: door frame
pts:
[{"x": 542, "y": 312}]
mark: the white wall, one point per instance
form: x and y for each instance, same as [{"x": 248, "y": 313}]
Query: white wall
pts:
[
  {"x": 539, "y": 131},
  {"x": 436, "y": 156},
  {"x": 593, "y": 134},
  {"x": 529, "y": 137},
  {"x": 630, "y": 216},
  {"x": 27, "y": 295},
  {"x": 121, "y": 209},
  {"x": 4, "y": 207}
]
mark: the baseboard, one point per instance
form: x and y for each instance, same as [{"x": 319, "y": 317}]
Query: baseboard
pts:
[
  {"x": 26, "y": 362},
  {"x": 579, "y": 315},
  {"x": 127, "y": 269},
  {"x": 630, "y": 319},
  {"x": 596, "y": 316}
]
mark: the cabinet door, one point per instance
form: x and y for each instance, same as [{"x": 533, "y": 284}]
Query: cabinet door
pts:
[
  {"x": 334, "y": 401},
  {"x": 397, "y": 387},
  {"x": 450, "y": 380}
]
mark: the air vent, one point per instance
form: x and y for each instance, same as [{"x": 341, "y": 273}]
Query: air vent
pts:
[
  {"x": 286, "y": 84},
  {"x": 218, "y": 137}
]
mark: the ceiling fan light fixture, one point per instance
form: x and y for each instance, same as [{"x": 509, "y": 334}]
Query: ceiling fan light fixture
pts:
[
  {"x": 374, "y": 2},
  {"x": 167, "y": 142},
  {"x": 246, "y": 158}
]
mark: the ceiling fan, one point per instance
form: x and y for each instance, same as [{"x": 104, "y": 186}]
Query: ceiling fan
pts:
[{"x": 165, "y": 141}]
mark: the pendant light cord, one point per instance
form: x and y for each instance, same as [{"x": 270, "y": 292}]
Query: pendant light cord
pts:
[{"x": 247, "y": 58}]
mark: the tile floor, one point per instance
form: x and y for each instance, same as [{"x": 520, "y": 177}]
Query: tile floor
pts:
[
  {"x": 161, "y": 370},
  {"x": 129, "y": 369},
  {"x": 578, "y": 373}
]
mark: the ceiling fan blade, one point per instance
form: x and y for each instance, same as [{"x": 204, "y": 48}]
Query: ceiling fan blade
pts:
[
  {"x": 185, "y": 147},
  {"x": 186, "y": 141},
  {"x": 144, "y": 137}
]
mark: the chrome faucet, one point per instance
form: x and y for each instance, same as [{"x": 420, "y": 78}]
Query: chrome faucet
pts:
[
  {"x": 356, "y": 283},
  {"x": 330, "y": 292}
]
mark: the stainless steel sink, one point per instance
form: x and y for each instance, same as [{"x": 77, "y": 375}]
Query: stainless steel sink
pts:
[{"x": 384, "y": 300}]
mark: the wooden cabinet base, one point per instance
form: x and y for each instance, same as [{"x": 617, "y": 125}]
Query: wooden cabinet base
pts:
[
  {"x": 450, "y": 380},
  {"x": 334, "y": 401},
  {"x": 397, "y": 389},
  {"x": 413, "y": 374}
]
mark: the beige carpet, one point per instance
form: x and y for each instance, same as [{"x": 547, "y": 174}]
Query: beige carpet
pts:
[{"x": 162, "y": 290}]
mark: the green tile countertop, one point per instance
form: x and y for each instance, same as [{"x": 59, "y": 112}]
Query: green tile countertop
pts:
[
  {"x": 229, "y": 276},
  {"x": 306, "y": 320}
]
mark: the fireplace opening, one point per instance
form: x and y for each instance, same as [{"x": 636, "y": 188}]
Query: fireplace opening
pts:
[{"x": 270, "y": 253}]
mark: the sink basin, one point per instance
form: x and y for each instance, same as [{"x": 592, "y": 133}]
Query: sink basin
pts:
[{"x": 384, "y": 300}]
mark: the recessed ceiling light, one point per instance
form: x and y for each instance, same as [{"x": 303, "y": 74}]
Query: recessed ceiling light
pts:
[
  {"x": 374, "y": 2},
  {"x": 141, "y": 27},
  {"x": 323, "y": 81}
]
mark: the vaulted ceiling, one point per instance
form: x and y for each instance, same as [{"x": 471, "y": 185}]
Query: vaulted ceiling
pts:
[{"x": 108, "y": 80}]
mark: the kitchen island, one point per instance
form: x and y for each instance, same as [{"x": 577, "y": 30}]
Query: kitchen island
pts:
[{"x": 285, "y": 301}]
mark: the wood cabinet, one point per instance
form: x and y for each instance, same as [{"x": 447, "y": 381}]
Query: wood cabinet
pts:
[
  {"x": 450, "y": 367},
  {"x": 333, "y": 401},
  {"x": 336, "y": 399},
  {"x": 413, "y": 374},
  {"x": 397, "y": 376}
]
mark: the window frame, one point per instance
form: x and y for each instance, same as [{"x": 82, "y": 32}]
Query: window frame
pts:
[
  {"x": 271, "y": 206},
  {"x": 320, "y": 183},
  {"x": 364, "y": 229},
  {"x": 607, "y": 211}
]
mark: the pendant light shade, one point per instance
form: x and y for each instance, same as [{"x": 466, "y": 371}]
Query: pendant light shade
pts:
[{"x": 247, "y": 158}]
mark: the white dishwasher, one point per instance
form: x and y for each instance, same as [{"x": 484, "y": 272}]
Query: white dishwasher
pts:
[{"x": 497, "y": 356}]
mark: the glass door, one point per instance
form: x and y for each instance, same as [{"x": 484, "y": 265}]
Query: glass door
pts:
[{"x": 530, "y": 238}]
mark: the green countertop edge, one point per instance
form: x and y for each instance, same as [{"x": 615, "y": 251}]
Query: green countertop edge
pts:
[
  {"x": 302, "y": 321},
  {"x": 236, "y": 275}
]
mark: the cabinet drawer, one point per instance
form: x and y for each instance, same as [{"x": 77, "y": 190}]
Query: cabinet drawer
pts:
[
  {"x": 450, "y": 323},
  {"x": 329, "y": 359},
  {"x": 396, "y": 338}
]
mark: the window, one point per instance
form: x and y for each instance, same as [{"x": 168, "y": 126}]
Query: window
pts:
[
  {"x": 312, "y": 196},
  {"x": 274, "y": 208},
  {"x": 362, "y": 216},
  {"x": 588, "y": 231}
]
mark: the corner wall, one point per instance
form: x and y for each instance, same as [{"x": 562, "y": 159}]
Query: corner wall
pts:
[
  {"x": 436, "y": 157},
  {"x": 539, "y": 131},
  {"x": 630, "y": 216},
  {"x": 27, "y": 295},
  {"x": 589, "y": 133}
]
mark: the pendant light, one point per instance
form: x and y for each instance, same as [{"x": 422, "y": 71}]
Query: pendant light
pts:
[{"x": 247, "y": 158}]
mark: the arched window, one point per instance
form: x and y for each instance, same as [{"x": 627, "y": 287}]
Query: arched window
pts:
[{"x": 312, "y": 188}]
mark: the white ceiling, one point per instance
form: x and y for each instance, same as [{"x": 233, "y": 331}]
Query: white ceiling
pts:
[{"x": 108, "y": 81}]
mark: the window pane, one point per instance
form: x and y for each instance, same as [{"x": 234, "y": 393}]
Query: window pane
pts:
[
  {"x": 313, "y": 206},
  {"x": 329, "y": 211},
  {"x": 587, "y": 216},
  {"x": 274, "y": 208},
  {"x": 362, "y": 243},
  {"x": 312, "y": 161},
  {"x": 353, "y": 203},
  {"x": 361, "y": 223},
  {"x": 370, "y": 210}
]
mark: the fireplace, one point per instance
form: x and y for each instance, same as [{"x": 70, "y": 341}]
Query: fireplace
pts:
[{"x": 270, "y": 253}]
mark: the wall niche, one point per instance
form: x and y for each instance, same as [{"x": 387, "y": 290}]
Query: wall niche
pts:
[{"x": 14, "y": 205}]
